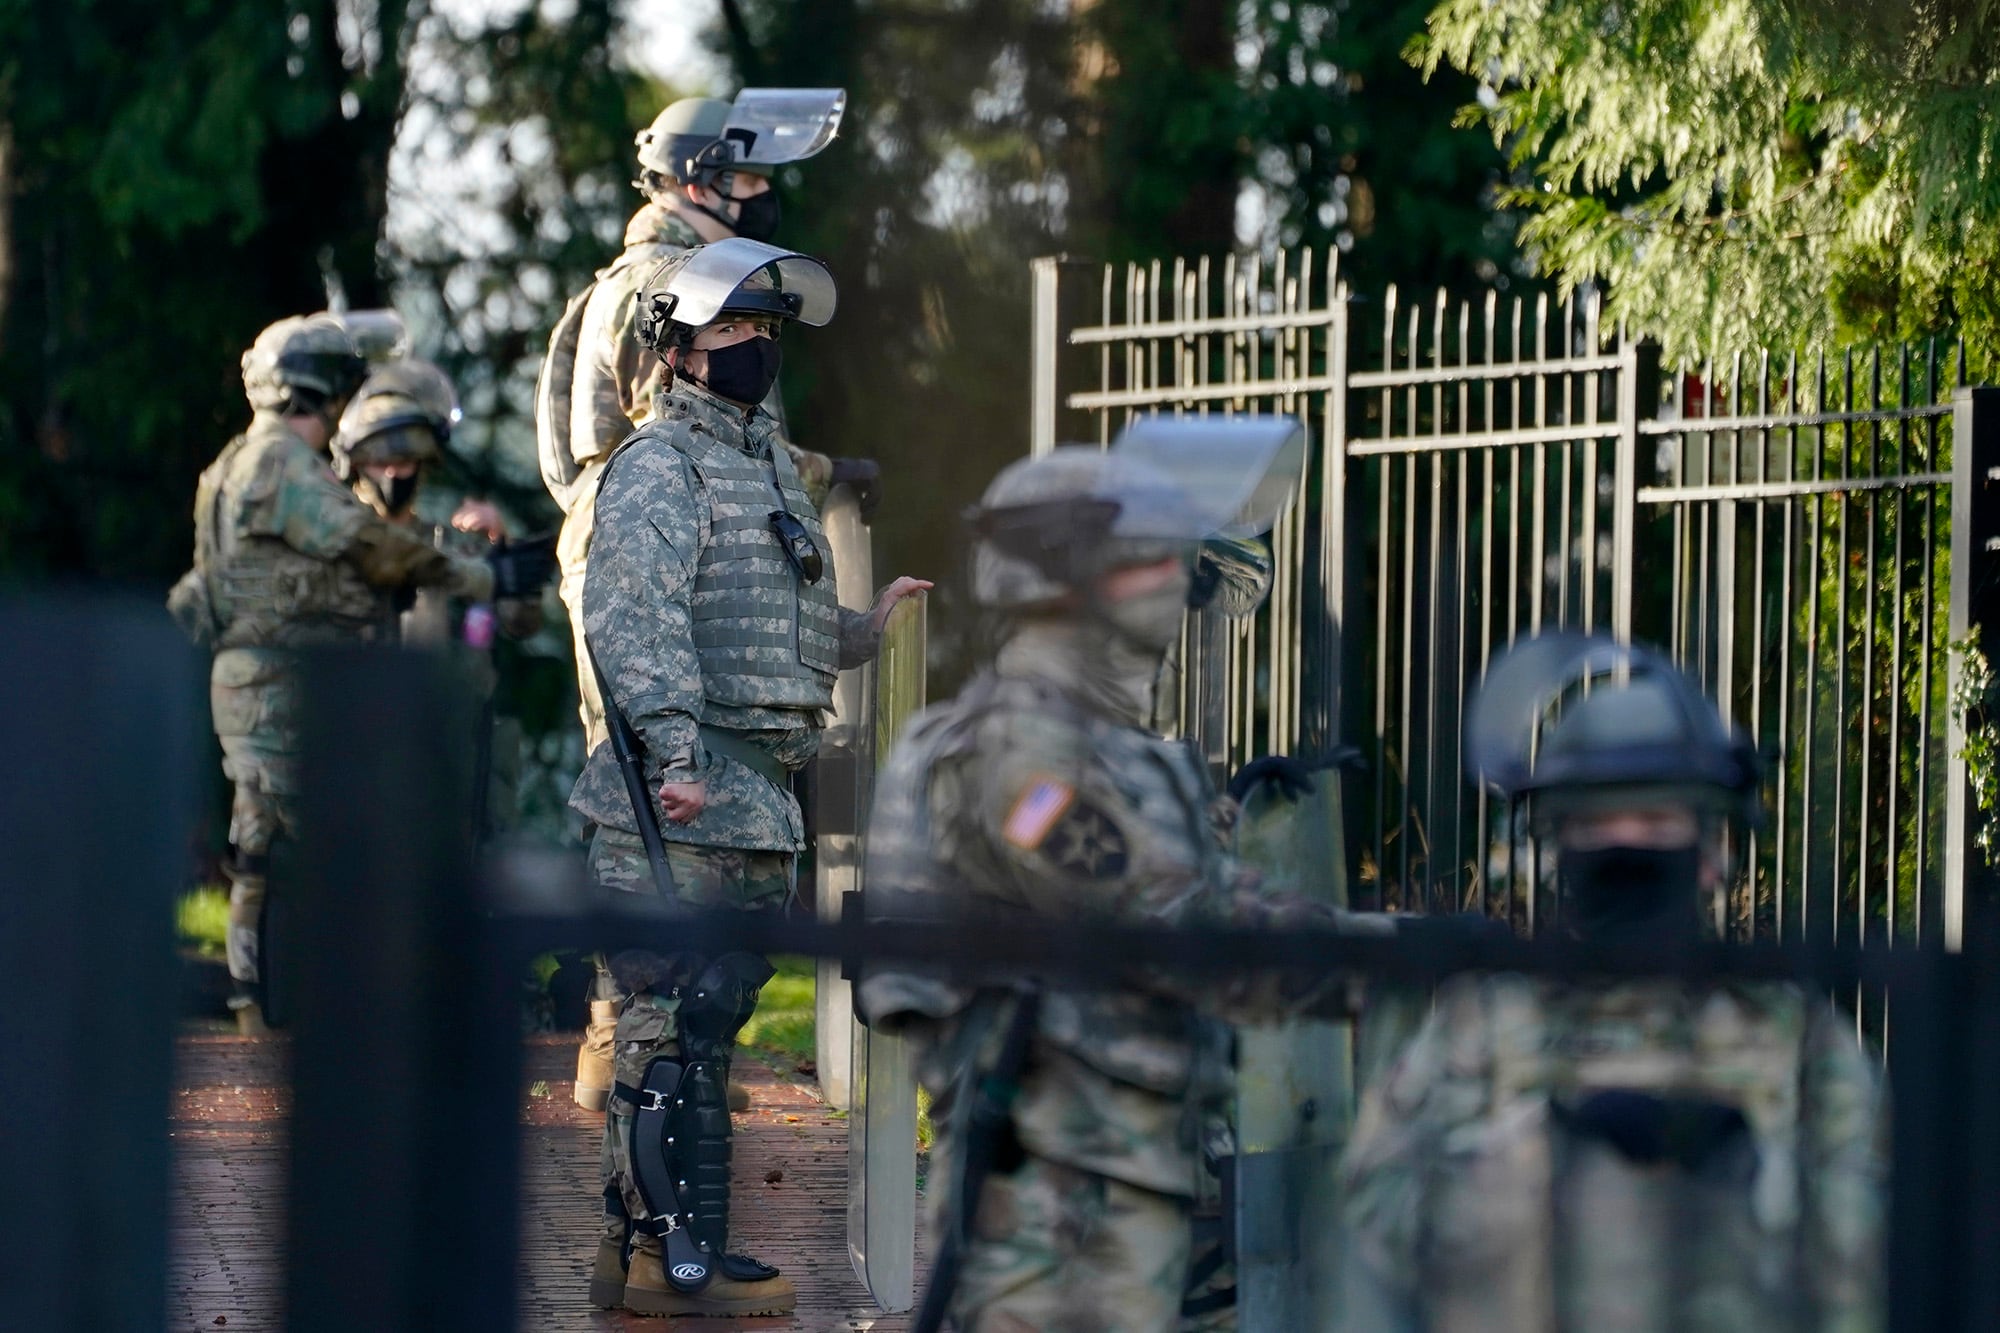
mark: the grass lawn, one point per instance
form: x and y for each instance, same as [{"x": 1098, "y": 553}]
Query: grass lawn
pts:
[{"x": 783, "y": 1029}]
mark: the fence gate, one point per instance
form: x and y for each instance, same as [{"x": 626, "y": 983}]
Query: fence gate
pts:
[{"x": 1489, "y": 469}]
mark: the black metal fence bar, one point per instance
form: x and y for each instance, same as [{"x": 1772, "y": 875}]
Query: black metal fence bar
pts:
[
  {"x": 1804, "y": 530},
  {"x": 99, "y": 732}
]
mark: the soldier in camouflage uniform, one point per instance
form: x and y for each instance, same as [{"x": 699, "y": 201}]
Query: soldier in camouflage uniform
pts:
[
  {"x": 709, "y": 609},
  {"x": 391, "y": 436},
  {"x": 694, "y": 194},
  {"x": 1041, "y": 790},
  {"x": 1629, "y": 1155},
  {"x": 286, "y": 557}
]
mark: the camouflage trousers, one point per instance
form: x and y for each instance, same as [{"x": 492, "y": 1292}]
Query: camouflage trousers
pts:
[
  {"x": 648, "y": 1022},
  {"x": 253, "y": 701},
  {"x": 1056, "y": 1249},
  {"x": 703, "y": 877}
]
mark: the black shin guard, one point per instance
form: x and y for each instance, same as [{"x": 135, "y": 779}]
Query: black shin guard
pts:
[{"x": 680, "y": 1144}]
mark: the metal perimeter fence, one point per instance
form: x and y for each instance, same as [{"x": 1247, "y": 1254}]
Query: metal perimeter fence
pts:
[
  {"x": 1810, "y": 535},
  {"x": 403, "y": 1198}
]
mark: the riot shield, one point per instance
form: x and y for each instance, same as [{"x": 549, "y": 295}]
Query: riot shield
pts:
[
  {"x": 840, "y": 790},
  {"x": 882, "y": 1122},
  {"x": 1294, "y": 1091}
]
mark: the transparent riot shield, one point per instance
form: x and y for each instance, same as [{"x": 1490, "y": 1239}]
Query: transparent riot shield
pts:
[
  {"x": 840, "y": 796},
  {"x": 882, "y": 1121},
  {"x": 1294, "y": 1092}
]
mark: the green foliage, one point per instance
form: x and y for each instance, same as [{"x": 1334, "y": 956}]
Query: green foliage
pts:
[
  {"x": 201, "y": 919},
  {"x": 160, "y": 156},
  {"x": 1749, "y": 171},
  {"x": 784, "y": 1025},
  {"x": 1356, "y": 149}
]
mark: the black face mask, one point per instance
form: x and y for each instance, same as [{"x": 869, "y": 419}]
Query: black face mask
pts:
[
  {"x": 757, "y": 216},
  {"x": 1631, "y": 894},
  {"x": 744, "y": 372},
  {"x": 398, "y": 493}
]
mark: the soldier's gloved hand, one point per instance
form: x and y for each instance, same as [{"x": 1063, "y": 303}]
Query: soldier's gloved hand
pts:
[
  {"x": 1648, "y": 1128},
  {"x": 1447, "y": 929},
  {"x": 522, "y": 568},
  {"x": 1293, "y": 777},
  {"x": 1292, "y": 774},
  {"x": 864, "y": 475}
]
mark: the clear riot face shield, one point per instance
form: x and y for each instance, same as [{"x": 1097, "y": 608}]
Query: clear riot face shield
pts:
[
  {"x": 1288, "y": 1123},
  {"x": 1239, "y": 471},
  {"x": 717, "y": 276},
  {"x": 379, "y": 335},
  {"x": 770, "y": 127}
]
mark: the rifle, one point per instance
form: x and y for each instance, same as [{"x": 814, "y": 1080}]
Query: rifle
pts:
[
  {"x": 631, "y": 754},
  {"x": 988, "y": 1117}
]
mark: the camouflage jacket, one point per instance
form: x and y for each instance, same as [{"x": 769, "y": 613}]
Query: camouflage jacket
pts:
[
  {"x": 653, "y": 520},
  {"x": 1474, "y": 1202},
  {"x": 617, "y": 376},
  {"x": 1016, "y": 799},
  {"x": 286, "y": 555}
]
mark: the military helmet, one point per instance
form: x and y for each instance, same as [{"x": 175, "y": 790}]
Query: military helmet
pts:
[
  {"x": 700, "y": 140},
  {"x": 302, "y": 363},
  {"x": 1049, "y": 524},
  {"x": 682, "y": 136},
  {"x": 697, "y": 286},
  {"x": 384, "y": 427},
  {"x": 1580, "y": 722},
  {"x": 420, "y": 382}
]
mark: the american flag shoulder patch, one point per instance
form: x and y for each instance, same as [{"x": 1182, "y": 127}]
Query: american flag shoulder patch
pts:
[{"x": 1036, "y": 811}]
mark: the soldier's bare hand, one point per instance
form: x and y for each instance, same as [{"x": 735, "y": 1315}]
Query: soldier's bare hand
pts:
[
  {"x": 683, "y": 801},
  {"x": 894, "y": 593},
  {"x": 481, "y": 516}
]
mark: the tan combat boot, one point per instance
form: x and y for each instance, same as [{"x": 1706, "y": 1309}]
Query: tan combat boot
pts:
[
  {"x": 607, "y": 1276},
  {"x": 249, "y": 1017},
  {"x": 647, "y": 1292},
  {"x": 595, "y": 1061}
]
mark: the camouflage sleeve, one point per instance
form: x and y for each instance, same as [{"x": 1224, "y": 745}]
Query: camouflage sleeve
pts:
[
  {"x": 314, "y": 514},
  {"x": 1439, "y": 1082},
  {"x": 651, "y": 523},
  {"x": 860, "y": 638},
  {"x": 815, "y": 472},
  {"x": 1846, "y": 1174},
  {"x": 616, "y": 374},
  {"x": 1079, "y": 832}
]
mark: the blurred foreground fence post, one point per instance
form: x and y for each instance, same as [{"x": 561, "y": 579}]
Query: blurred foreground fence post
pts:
[
  {"x": 98, "y": 737},
  {"x": 1974, "y": 618},
  {"x": 406, "y": 1054}
]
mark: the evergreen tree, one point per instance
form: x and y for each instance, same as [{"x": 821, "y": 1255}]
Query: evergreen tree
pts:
[{"x": 1743, "y": 171}]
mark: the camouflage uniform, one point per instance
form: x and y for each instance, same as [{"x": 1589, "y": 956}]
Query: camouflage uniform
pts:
[
  {"x": 286, "y": 557},
  {"x": 1472, "y": 1206},
  {"x": 1023, "y": 797},
  {"x": 696, "y": 663},
  {"x": 616, "y": 380}
]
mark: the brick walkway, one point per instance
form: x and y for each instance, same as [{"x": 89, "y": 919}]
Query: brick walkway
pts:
[{"x": 229, "y": 1139}]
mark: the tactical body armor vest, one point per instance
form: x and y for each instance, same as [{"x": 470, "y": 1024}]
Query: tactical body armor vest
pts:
[
  {"x": 264, "y": 592},
  {"x": 1540, "y": 1221},
  {"x": 1140, "y": 1067},
  {"x": 765, "y": 637}
]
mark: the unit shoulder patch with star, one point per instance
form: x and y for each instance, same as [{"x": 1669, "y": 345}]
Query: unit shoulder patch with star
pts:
[{"x": 1085, "y": 842}]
